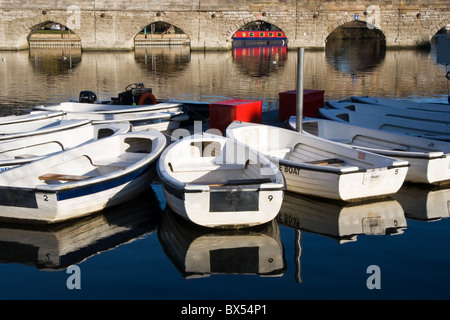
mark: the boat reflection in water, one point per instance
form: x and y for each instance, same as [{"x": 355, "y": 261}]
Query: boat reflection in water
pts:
[
  {"x": 255, "y": 60},
  {"x": 342, "y": 221},
  {"x": 199, "y": 252},
  {"x": 59, "y": 246},
  {"x": 424, "y": 202}
]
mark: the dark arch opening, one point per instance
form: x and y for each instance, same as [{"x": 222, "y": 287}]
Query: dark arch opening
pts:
[
  {"x": 161, "y": 33},
  {"x": 440, "y": 45},
  {"x": 51, "y": 34},
  {"x": 355, "y": 46}
]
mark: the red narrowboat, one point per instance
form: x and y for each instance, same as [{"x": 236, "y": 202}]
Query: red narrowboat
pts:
[{"x": 259, "y": 35}]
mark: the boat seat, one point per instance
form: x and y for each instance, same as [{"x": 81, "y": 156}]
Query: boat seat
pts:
[
  {"x": 326, "y": 161},
  {"x": 182, "y": 167},
  {"x": 238, "y": 182},
  {"x": 25, "y": 156},
  {"x": 62, "y": 177}
]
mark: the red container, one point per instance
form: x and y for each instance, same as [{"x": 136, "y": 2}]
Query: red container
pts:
[
  {"x": 222, "y": 113},
  {"x": 312, "y": 101}
]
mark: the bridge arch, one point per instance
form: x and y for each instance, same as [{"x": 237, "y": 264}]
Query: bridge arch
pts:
[
  {"x": 358, "y": 24},
  {"x": 25, "y": 28},
  {"x": 438, "y": 27},
  {"x": 236, "y": 27},
  {"x": 34, "y": 32},
  {"x": 141, "y": 24}
]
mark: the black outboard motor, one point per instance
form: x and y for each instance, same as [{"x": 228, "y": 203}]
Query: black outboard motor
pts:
[
  {"x": 135, "y": 93},
  {"x": 87, "y": 97}
]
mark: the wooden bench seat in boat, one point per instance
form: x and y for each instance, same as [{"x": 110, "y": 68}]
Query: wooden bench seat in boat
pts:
[
  {"x": 25, "y": 156},
  {"x": 326, "y": 161},
  {"x": 233, "y": 182},
  {"x": 206, "y": 167},
  {"x": 62, "y": 177}
]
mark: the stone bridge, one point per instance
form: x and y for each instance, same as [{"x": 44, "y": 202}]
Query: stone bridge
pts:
[{"x": 210, "y": 25}]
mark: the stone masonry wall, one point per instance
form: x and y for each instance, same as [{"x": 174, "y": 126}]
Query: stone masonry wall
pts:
[{"x": 210, "y": 25}]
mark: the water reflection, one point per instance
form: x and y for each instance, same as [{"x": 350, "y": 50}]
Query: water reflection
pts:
[
  {"x": 340, "y": 221},
  {"x": 352, "y": 57},
  {"x": 200, "y": 252},
  {"x": 59, "y": 246},
  {"x": 424, "y": 202},
  {"x": 51, "y": 62},
  {"x": 175, "y": 73},
  {"x": 259, "y": 61},
  {"x": 163, "y": 61}
]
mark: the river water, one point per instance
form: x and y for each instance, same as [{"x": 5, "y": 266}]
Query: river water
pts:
[{"x": 398, "y": 248}]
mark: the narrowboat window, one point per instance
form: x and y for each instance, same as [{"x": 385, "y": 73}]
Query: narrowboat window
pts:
[
  {"x": 261, "y": 34},
  {"x": 251, "y": 34},
  {"x": 279, "y": 34},
  {"x": 243, "y": 34},
  {"x": 270, "y": 34}
]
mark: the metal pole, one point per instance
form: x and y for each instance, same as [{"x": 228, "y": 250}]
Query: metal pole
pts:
[{"x": 299, "y": 99}]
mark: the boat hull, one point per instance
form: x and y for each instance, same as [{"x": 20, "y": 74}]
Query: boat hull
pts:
[
  {"x": 37, "y": 206},
  {"x": 81, "y": 180},
  {"x": 430, "y": 171},
  {"x": 349, "y": 187},
  {"x": 201, "y": 207},
  {"x": 429, "y": 159}
]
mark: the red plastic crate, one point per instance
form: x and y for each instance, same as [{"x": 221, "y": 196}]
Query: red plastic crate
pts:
[
  {"x": 312, "y": 101},
  {"x": 222, "y": 113}
]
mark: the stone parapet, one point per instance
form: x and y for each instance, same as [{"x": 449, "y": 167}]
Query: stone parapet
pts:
[{"x": 210, "y": 25}]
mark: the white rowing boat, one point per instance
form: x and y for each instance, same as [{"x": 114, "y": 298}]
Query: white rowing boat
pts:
[
  {"x": 216, "y": 182},
  {"x": 161, "y": 116},
  {"x": 19, "y": 151},
  {"x": 32, "y": 116},
  {"x": 398, "y": 113},
  {"x": 320, "y": 167},
  {"x": 110, "y": 109},
  {"x": 33, "y": 128},
  {"x": 429, "y": 159},
  {"x": 81, "y": 180},
  {"x": 402, "y": 103},
  {"x": 413, "y": 127}
]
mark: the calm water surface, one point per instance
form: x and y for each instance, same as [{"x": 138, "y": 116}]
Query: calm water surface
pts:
[{"x": 316, "y": 249}]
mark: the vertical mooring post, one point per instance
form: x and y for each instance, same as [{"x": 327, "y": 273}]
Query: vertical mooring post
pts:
[{"x": 299, "y": 100}]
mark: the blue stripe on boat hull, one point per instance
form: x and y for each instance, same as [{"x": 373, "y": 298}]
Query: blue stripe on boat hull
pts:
[{"x": 101, "y": 186}]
